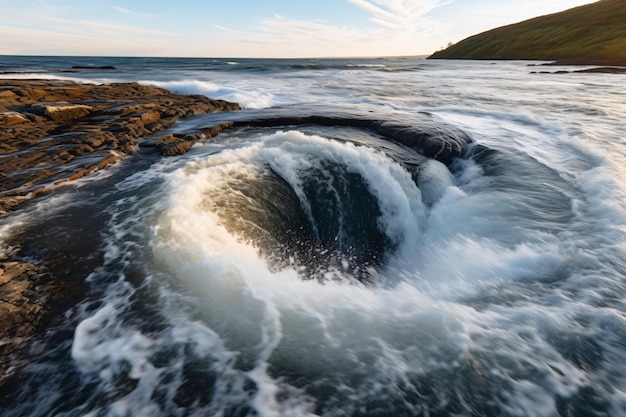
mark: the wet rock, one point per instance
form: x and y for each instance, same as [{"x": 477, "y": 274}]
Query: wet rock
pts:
[
  {"x": 7, "y": 94},
  {"x": 50, "y": 130},
  {"x": 30, "y": 94},
  {"x": 102, "y": 67},
  {"x": 178, "y": 144},
  {"x": 64, "y": 113},
  {"x": 31, "y": 295},
  {"x": 21, "y": 301},
  {"x": 429, "y": 136},
  {"x": 12, "y": 118},
  {"x": 603, "y": 70},
  {"x": 176, "y": 148},
  {"x": 216, "y": 130},
  {"x": 95, "y": 142},
  {"x": 150, "y": 117},
  {"x": 166, "y": 140}
]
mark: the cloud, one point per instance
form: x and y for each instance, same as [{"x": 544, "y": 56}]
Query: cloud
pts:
[
  {"x": 400, "y": 25},
  {"x": 68, "y": 37},
  {"x": 124, "y": 10},
  {"x": 396, "y": 27},
  {"x": 284, "y": 37},
  {"x": 397, "y": 14},
  {"x": 91, "y": 29}
]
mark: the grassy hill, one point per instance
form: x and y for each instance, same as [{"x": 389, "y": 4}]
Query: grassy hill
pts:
[{"x": 594, "y": 33}]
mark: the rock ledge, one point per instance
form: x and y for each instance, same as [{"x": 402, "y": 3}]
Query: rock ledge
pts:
[{"x": 55, "y": 131}]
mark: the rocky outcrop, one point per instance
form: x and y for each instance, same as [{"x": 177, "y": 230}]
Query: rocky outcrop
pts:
[
  {"x": 9, "y": 118},
  {"x": 22, "y": 300},
  {"x": 595, "y": 70},
  {"x": 20, "y": 303},
  {"x": 88, "y": 67},
  {"x": 178, "y": 144},
  {"x": 31, "y": 297},
  {"x": 63, "y": 112},
  {"x": 68, "y": 130}
]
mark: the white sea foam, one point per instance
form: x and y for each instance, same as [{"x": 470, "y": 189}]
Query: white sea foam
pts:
[
  {"x": 246, "y": 97},
  {"x": 292, "y": 153}
]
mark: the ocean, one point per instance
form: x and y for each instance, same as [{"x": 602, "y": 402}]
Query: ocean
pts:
[{"x": 318, "y": 269}]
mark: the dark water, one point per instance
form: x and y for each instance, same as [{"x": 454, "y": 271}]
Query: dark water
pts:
[{"x": 323, "y": 270}]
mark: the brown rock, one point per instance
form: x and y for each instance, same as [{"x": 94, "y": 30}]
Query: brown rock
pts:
[
  {"x": 109, "y": 161},
  {"x": 64, "y": 113},
  {"x": 9, "y": 271},
  {"x": 127, "y": 148},
  {"x": 166, "y": 140},
  {"x": 216, "y": 130},
  {"x": 133, "y": 120},
  {"x": 63, "y": 121},
  {"x": 66, "y": 156},
  {"x": 176, "y": 148},
  {"x": 82, "y": 149},
  {"x": 7, "y": 94},
  {"x": 20, "y": 305},
  {"x": 9, "y": 118},
  {"x": 95, "y": 142},
  {"x": 31, "y": 94},
  {"x": 150, "y": 117}
]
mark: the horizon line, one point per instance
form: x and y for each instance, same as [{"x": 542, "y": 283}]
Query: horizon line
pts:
[{"x": 418, "y": 56}]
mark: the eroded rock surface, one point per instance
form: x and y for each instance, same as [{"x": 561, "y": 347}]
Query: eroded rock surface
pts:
[{"x": 54, "y": 131}]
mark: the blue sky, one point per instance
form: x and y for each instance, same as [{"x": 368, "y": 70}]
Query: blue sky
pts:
[{"x": 253, "y": 28}]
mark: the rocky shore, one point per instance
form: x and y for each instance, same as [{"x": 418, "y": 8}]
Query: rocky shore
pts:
[{"x": 54, "y": 132}]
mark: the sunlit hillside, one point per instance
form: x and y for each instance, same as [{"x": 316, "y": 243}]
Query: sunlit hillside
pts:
[{"x": 594, "y": 32}]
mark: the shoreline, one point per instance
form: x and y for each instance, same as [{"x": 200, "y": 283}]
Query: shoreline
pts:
[
  {"x": 52, "y": 133},
  {"x": 589, "y": 62},
  {"x": 606, "y": 66},
  {"x": 618, "y": 62}
]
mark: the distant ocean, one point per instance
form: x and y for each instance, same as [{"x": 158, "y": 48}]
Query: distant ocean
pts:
[{"x": 304, "y": 270}]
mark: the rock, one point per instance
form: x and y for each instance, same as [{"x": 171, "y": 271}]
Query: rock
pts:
[
  {"x": 31, "y": 94},
  {"x": 55, "y": 127},
  {"x": 9, "y": 118},
  {"x": 103, "y": 67},
  {"x": 430, "y": 137},
  {"x": 150, "y": 117},
  {"x": 216, "y": 130},
  {"x": 166, "y": 140},
  {"x": 82, "y": 149},
  {"x": 95, "y": 142},
  {"x": 176, "y": 144},
  {"x": 176, "y": 148},
  {"x": 603, "y": 70},
  {"x": 65, "y": 113},
  {"x": 7, "y": 94},
  {"x": 9, "y": 271},
  {"x": 20, "y": 305}
]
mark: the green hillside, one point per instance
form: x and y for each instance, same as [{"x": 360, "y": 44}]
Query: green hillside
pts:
[{"x": 594, "y": 33}]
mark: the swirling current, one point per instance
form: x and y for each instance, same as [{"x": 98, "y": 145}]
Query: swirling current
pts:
[{"x": 331, "y": 260}]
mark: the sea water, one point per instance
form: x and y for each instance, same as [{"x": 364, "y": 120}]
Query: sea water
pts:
[{"x": 306, "y": 270}]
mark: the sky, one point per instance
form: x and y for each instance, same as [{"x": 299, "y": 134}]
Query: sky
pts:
[{"x": 254, "y": 28}]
